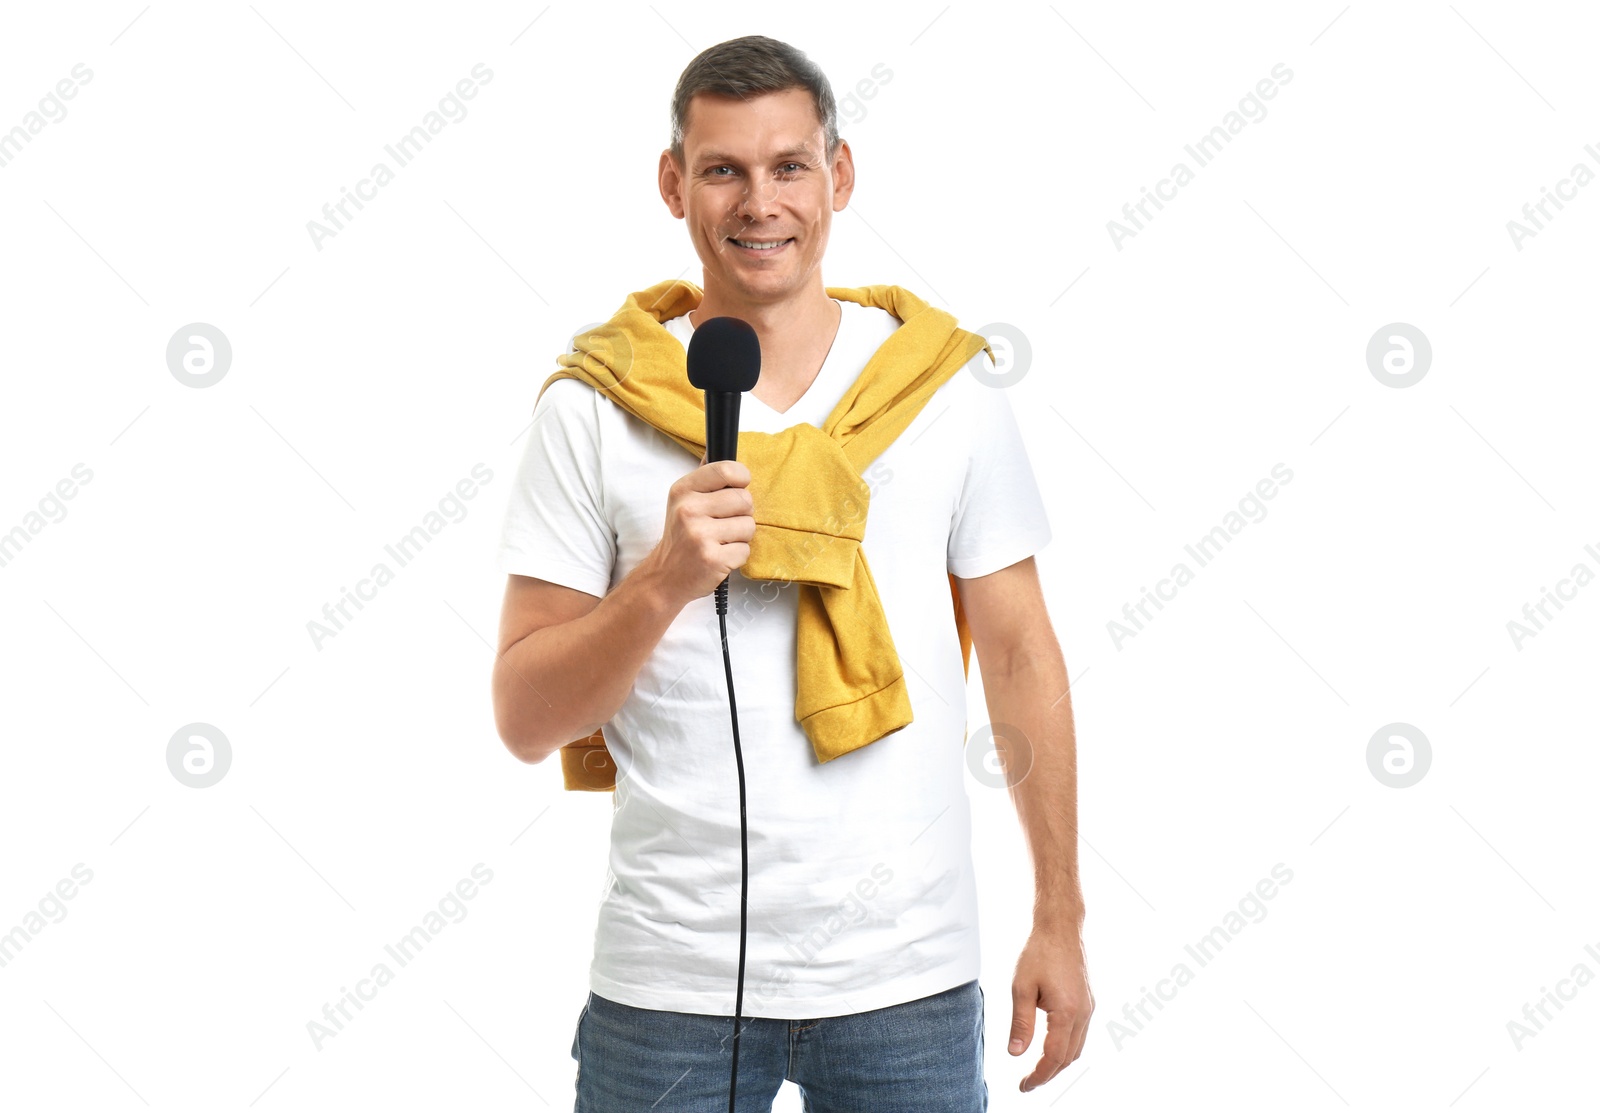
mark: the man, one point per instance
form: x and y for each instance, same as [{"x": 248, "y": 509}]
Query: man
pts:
[{"x": 861, "y": 976}]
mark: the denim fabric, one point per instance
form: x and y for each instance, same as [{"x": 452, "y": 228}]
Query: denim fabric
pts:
[{"x": 923, "y": 1056}]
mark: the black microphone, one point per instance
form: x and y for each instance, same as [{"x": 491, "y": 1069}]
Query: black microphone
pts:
[{"x": 725, "y": 361}]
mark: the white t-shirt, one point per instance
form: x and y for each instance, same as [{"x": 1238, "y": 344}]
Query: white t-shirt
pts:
[{"x": 861, "y": 883}]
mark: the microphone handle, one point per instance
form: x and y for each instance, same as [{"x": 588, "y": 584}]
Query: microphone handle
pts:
[
  {"x": 722, "y": 425},
  {"x": 722, "y": 443}
]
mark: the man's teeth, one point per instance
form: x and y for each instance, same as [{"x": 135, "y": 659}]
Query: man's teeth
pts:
[{"x": 754, "y": 244}]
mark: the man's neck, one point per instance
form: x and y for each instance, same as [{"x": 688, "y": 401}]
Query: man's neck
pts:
[{"x": 796, "y": 336}]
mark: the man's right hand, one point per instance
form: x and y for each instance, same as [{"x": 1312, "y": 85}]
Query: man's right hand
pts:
[{"x": 709, "y": 523}]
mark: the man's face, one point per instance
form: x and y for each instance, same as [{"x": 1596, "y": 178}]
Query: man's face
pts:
[{"x": 756, "y": 171}]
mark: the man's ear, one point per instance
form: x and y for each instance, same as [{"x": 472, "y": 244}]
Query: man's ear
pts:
[
  {"x": 844, "y": 176},
  {"x": 670, "y": 180}
]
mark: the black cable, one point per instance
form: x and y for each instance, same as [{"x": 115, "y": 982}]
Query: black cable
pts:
[{"x": 744, "y": 842}]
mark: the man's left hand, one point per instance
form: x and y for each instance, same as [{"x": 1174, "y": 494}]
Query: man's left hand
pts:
[{"x": 1051, "y": 975}]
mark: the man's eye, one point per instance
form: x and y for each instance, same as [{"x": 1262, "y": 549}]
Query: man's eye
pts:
[{"x": 788, "y": 167}]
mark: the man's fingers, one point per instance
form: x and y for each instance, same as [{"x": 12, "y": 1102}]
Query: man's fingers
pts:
[
  {"x": 1080, "y": 1035},
  {"x": 1080, "y": 1029},
  {"x": 1055, "y": 1057},
  {"x": 1024, "y": 1003},
  {"x": 724, "y": 473}
]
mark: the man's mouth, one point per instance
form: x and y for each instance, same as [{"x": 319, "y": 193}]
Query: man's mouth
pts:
[{"x": 761, "y": 247}]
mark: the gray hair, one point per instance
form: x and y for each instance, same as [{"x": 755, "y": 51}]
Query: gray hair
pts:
[{"x": 746, "y": 66}]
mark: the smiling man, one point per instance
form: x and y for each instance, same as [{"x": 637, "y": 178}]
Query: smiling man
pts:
[
  {"x": 879, "y": 525},
  {"x": 759, "y": 217}
]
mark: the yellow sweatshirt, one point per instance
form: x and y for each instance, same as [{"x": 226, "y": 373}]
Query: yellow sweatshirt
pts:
[{"x": 851, "y": 688}]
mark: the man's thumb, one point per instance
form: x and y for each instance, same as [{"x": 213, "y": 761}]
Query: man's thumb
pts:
[{"x": 1022, "y": 1015}]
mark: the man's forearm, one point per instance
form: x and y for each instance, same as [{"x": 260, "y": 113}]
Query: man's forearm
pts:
[
  {"x": 560, "y": 683},
  {"x": 1042, "y": 775}
]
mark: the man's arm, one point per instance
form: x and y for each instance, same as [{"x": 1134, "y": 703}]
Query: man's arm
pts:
[
  {"x": 566, "y": 660},
  {"x": 1025, "y": 687}
]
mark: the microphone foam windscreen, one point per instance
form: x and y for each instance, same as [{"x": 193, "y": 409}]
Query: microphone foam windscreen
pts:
[{"x": 724, "y": 355}]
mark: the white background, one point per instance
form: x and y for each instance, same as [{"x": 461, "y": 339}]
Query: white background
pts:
[{"x": 1167, "y": 378}]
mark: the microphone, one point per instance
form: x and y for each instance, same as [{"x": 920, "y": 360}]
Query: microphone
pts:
[{"x": 724, "y": 360}]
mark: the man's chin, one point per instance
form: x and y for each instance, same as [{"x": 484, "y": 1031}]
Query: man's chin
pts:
[{"x": 756, "y": 283}]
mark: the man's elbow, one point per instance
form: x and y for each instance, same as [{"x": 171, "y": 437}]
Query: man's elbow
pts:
[
  {"x": 522, "y": 743},
  {"x": 524, "y": 749},
  {"x": 529, "y": 726},
  {"x": 530, "y": 739},
  {"x": 517, "y": 729}
]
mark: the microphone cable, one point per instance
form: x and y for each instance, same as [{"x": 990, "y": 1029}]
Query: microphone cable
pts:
[
  {"x": 744, "y": 842},
  {"x": 723, "y": 358}
]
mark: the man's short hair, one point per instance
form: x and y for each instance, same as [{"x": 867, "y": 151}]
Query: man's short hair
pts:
[{"x": 747, "y": 66}]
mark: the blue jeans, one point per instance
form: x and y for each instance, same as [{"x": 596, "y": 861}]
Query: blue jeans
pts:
[{"x": 923, "y": 1056}]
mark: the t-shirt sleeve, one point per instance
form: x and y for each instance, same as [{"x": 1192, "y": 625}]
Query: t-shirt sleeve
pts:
[
  {"x": 999, "y": 517},
  {"x": 556, "y": 527}
]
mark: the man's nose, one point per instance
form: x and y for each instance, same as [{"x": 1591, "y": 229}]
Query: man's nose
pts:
[{"x": 760, "y": 197}]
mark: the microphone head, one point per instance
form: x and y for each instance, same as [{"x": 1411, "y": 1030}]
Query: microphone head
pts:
[{"x": 724, "y": 355}]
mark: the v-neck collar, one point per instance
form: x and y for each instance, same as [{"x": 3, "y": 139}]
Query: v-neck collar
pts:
[{"x": 749, "y": 396}]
